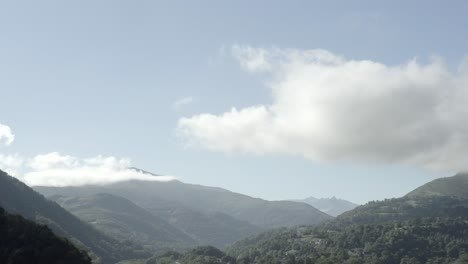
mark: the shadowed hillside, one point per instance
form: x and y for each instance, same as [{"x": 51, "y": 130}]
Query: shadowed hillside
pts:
[{"x": 23, "y": 241}]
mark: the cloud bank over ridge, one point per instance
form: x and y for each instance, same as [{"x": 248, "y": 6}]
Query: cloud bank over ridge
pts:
[
  {"x": 57, "y": 170},
  {"x": 329, "y": 108}
]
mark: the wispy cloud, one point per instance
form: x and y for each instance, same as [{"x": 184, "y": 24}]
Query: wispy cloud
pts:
[
  {"x": 328, "y": 108},
  {"x": 182, "y": 102},
  {"x": 6, "y": 134}
]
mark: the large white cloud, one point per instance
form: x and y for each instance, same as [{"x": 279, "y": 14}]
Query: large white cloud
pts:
[
  {"x": 53, "y": 169},
  {"x": 6, "y": 134},
  {"x": 328, "y": 108}
]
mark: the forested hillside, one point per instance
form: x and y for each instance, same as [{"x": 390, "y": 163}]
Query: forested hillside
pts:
[
  {"x": 456, "y": 186},
  {"x": 425, "y": 240},
  {"x": 23, "y": 242},
  {"x": 411, "y": 229}
]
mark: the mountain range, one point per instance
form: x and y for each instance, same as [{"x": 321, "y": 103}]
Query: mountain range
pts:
[
  {"x": 208, "y": 215},
  {"x": 139, "y": 219},
  {"x": 134, "y": 219}
]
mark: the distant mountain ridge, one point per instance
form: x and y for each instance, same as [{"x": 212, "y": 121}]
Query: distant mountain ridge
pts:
[
  {"x": 258, "y": 212},
  {"x": 217, "y": 216},
  {"x": 332, "y": 206}
]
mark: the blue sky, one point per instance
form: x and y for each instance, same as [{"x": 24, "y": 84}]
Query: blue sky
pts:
[{"x": 89, "y": 78}]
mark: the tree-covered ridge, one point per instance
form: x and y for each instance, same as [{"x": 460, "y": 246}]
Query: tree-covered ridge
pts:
[
  {"x": 405, "y": 230},
  {"x": 424, "y": 240},
  {"x": 198, "y": 255},
  {"x": 401, "y": 209},
  {"x": 456, "y": 186},
  {"x": 23, "y": 241}
]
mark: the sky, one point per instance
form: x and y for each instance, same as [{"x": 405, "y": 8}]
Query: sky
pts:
[{"x": 362, "y": 100}]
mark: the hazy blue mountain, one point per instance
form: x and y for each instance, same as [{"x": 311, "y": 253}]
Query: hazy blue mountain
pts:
[
  {"x": 23, "y": 241},
  {"x": 450, "y": 186},
  {"x": 17, "y": 198},
  {"x": 332, "y": 206},
  {"x": 162, "y": 197},
  {"x": 122, "y": 219}
]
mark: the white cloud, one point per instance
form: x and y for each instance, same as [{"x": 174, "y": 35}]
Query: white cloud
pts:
[
  {"x": 6, "y": 134},
  {"x": 11, "y": 163},
  {"x": 58, "y": 170},
  {"x": 52, "y": 160},
  {"x": 182, "y": 102},
  {"x": 328, "y": 108}
]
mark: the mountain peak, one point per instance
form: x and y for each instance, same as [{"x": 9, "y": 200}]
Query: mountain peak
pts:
[{"x": 143, "y": 171}]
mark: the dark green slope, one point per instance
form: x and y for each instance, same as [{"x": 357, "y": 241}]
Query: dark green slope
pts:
[
  {"x": 20, "y": 199},
  {"x": 24, "y": 242},
  {"x": 258, "y": 212},
  {"x": 122, "y": 219},
  {"x": 198, "y": 255},
  {"x": 456, "y": 186}
]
